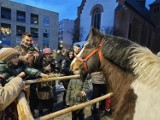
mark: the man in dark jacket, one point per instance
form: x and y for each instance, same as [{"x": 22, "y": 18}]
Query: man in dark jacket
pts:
[
  {"x": 31, "y": 57},
  {"x": 28, "y": 53}
]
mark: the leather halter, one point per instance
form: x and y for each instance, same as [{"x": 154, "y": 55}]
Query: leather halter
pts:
[{"x": 91, "y": 54}]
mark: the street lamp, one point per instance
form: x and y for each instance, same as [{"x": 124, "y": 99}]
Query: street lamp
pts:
[{"x": 60, "y": 45}]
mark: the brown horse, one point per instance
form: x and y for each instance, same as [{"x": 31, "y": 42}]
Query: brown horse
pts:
[{"x": 132, "y": 73}]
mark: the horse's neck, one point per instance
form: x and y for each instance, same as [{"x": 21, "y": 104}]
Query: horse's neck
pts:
[{"x": 119, "y": 82}]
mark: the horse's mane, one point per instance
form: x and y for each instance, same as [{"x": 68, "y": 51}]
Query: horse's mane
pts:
[
  {"x": 118, "y": 50},
  {"x": 131, "y": 57}
]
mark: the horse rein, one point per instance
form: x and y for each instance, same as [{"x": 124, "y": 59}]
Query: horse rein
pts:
[{"x": 91, "y": 54}]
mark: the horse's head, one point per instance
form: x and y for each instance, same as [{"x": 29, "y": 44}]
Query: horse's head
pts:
[{"x": 87, "y": 61}]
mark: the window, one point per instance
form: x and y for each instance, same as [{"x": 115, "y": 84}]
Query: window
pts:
[
  {"x": 96, "y": 16},
  {"x": 5, "y": 29},
  {"x": 45, "y": 35},
  {"x": 45, "y": 42},
  {"x": 20, "y": 30},
  {"x": 34, "y": 19},
  {"x": 5, "y": 13},
  {"x": 34, "y": 32},
  {"x": 46, "y": 21},
  {"x": 21, "y": 16}
]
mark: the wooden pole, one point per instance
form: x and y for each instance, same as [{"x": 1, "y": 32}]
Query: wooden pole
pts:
[
  {"x": 51, "y": 79},
  {"x": 75, "y": 107},
  {"x": 23, "y": 109}
]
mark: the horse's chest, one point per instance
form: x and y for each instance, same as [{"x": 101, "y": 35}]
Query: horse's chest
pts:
[{"x": 148, "y": 102}]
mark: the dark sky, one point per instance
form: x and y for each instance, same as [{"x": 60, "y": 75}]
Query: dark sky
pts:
[{"x": 67, "y": 9}]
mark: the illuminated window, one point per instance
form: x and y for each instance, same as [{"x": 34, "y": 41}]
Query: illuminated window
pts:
[
  {"x": 34, "y": 19},
  {"x": 5, "y": 29}
]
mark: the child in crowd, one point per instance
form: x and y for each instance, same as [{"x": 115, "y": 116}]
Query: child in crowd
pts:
[{"x": 76, "y": 93}]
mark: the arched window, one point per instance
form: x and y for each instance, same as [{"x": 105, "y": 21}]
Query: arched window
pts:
[{"x": 96, "y": 16}]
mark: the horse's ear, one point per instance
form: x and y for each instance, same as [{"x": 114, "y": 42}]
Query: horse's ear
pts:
[{"x": 92, "y": 33}]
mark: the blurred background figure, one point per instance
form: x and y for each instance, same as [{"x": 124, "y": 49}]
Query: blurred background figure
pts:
[
  {"x": 65, "y": 69},
  {"x": 76, "y": 49},
  {"x": 99, "y": 89},
  {"x": 60, "y": 56}
]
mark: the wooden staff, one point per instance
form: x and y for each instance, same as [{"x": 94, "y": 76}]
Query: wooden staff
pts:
[
  {"x": 75, "y": 107},
  {"x": 52, "y": 79},
  {"x": 23, "y": 109}
]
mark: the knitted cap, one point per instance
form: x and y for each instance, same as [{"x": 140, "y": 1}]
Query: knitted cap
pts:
[
  {"x": 47, "y": 50},
  {"x": 8, "y": 53}
]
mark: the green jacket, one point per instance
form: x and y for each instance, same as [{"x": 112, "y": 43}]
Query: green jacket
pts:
[
  {"x": 9, "y": 72},
  {"x": 75, "y": 86}
]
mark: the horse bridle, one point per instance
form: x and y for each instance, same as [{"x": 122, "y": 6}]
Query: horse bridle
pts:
[{"x": 84, "y": 60}]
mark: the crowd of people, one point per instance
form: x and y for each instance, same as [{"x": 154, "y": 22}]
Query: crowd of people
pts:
[{"x": 25, "y": 62}]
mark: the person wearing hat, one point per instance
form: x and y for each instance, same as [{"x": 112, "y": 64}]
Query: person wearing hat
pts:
[
  {"x": 48, "y": 63},
  {"x": 9, "y": 92},
  {"x": 46, "y": 91},
  {"x": 11, "y": 66}
]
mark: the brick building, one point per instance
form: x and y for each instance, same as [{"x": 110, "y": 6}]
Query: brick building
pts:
[
  {"x": 131, "y": 19},
  {"x": 135, "y": 22}
]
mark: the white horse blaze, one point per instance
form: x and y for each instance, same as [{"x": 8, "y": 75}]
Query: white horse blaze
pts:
[{"x": 79, "y": 54}]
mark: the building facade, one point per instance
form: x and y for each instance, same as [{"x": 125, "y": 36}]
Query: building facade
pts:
[
  {"x": 137, "y": 23},
  {"x": 127, "y": 18},
  {"x": 65, "y": 34},
  {"x": 97, "y": 13},
  {"x": 16, "y": 18}
]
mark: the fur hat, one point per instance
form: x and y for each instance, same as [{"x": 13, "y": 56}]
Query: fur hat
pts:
[{"x": 7, "y": 54}]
